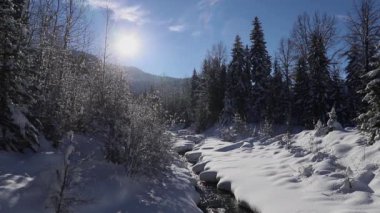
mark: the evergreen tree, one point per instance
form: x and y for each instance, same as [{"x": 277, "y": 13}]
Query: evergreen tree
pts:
[
  {"x": 338, "y": 97},
  {"x": 363, "y": 38},
  {"x": 301, "y": 107},
  {"x": 370, "y": 120},
  {"x": 276, "y": 106},
  {"x": 194, "y": 91},
  {"x": 16, "y": 130},
  {"x": 320, "y": 79},
  {"x": 214, "y": 75},
  {"x": 211, "y": 90},
  {"x": 238, "y": 84},
  {"x": 354, "y": 81},
  {"x": 260, "y": 72}
]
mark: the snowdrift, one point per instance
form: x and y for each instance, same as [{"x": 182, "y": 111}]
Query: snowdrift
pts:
[{"x": 337, "y": 172}]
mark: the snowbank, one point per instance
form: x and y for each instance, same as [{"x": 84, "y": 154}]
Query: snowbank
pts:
[
  {"x": 29, "y": 181},
  {"x": 334, "y": 173}
]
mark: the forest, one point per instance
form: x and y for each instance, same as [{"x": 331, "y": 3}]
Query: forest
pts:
[{"x": 56, "y": 93}]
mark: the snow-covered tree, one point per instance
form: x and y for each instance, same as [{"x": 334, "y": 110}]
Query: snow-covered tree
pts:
[
  {"x": 370, "y": 120},
  {"x": 16, "y": 130},
  {"x": 354, "y": 81},
  {"x": 363, "y": 38},
  {"x": 333, "y": 123}
]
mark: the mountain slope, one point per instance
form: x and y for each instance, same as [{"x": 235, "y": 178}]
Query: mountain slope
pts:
[{"x": 141, "y": 81}]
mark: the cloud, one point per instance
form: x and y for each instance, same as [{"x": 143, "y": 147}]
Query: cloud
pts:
[
  {"x": 120, "y": 11},
  {"x": 202, "y": 4},
  {"x": 177, "y": 28},
  {"x": 205, "y": 8}
]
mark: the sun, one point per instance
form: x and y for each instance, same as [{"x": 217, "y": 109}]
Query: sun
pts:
[{"x": 127, "y": 45}]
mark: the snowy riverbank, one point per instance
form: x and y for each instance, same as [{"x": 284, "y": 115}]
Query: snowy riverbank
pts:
[
  {"x": 29, "y": 183},
  {"x": 334, "y": 173}
]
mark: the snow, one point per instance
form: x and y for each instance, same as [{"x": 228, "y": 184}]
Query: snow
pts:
[
  {"x": 182, "y": 145},
  {"x": 336, "y": 172},
  {"x": 28, "y": 182}
]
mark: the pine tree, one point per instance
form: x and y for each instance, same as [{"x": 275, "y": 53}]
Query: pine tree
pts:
[
  {"x": 211, "y": 88},
  {"x": 216, "y": 81},
  {"x": 338, "y": 97},
  {"x": 370, "y": 120},
  {"x": 276, "y": 101},
  {"x": 363, "y": 38},
  {"x": 16, "y": 130},
  {"x": 260, "y": 72},
  {"x": 320, "y": 79},
  {"x": 194, "y": 91},
  {"x": 301, "y": 107},
  {"x": 354, "y": 82},
  {"x": 238, "y": 84}
]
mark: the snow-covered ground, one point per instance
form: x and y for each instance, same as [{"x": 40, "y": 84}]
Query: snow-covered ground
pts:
[
  {"x": 334, "y": 173},
  {"x": 30, "y": 182}
]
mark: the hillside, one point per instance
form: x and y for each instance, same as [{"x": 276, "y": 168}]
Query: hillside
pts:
[{"x": 141, "y": 81}]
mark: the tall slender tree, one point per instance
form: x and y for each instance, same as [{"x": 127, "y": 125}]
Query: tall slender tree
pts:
[
  {"x": 370, "y": 119},
  {"x": 238, "y": 84},
  {"x": 260, "y": 71},
  {"x": 320, "y": 79},
  {"x": 301, "y": 107},
  {"x": 363, "y": 38},
  {"x": 277, "y": 98}
]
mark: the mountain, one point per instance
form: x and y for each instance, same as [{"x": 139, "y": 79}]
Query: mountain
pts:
[{"x": 141, "y": 81}]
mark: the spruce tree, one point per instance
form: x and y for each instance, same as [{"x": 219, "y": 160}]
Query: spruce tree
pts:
[
  {"x": 363, "y": 40},
  {"x": 338, "y": 97},
  {"x": 211, "y": 88},
  {"x": 16, "y": 130},
  {"x": 238, "y": 84},
  {"x": 370, "y": 120},
  {"x": 229, "y": 109},
  {"x": 320, "y": 79},
  {"x": 301, "y": 107},
  {"x": 276, "y": 106},
  {"x": 194, "y": 91},
  {"x": 260, "y": 72},
  {"x": 354, "y": 82}
]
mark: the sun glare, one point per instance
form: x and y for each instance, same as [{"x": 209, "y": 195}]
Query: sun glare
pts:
[{"x": 127, "y": 45}]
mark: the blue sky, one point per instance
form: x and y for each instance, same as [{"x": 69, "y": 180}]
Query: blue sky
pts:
[{"x": 174, "y": 35}]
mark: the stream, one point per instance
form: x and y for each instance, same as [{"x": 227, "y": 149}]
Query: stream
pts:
[{"x": 214, "y": 200}]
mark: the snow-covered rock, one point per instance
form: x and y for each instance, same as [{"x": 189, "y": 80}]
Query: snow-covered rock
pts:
[
  {"x": 182, "y": 145},
  {"x": 194, "y": 138}
]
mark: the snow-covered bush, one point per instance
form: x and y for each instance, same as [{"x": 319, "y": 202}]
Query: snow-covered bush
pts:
[
  {"x": 137, "y": 138},
  {"x": 306, "y": 171},
  {"x": 333, "y": 123},
  {"x": 238, "y": 127},
  {"x": 286, "y": 140},
  {"x": 320, "y": 129},
  {"x": 266, "y": 129}
]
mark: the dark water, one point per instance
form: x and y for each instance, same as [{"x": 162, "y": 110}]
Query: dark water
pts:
[{"x": 215, "y": 200}]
